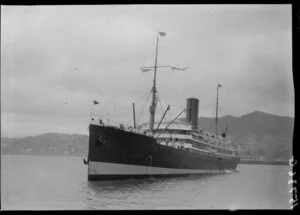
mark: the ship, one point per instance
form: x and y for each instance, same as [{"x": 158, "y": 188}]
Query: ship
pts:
[{"x": 158, "y": 149}]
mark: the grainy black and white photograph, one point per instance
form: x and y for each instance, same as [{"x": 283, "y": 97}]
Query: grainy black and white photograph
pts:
[{"x": 147, "y": 107}]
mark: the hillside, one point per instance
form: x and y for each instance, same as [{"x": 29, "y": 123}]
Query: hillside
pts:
[
  {"x": 47, "y": 144},
  {"x": 257, "y": 134}
]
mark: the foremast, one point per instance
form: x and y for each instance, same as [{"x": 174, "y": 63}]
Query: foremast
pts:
[
  {"x": 154, "y": 91},
  {"x": 153, "y": 105}
]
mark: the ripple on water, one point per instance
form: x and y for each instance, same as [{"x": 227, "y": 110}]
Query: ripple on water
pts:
[{"x": 35, "y": 182}]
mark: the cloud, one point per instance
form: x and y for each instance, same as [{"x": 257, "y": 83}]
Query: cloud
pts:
[{"x": 56, "y": 59}]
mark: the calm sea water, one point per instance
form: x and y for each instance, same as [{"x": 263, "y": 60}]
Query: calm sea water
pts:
[{"x": 53, "y": 183}]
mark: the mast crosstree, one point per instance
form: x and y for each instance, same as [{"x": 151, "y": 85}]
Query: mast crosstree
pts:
[{"x": 153, "y": 105}]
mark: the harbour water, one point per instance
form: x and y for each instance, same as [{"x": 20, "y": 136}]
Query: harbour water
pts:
[{"x": 60, "y": 183}]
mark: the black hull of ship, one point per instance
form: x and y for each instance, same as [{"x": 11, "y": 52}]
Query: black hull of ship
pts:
[{"x": 120, "y": 154}]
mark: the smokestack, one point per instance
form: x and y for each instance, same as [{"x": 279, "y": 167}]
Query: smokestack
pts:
[{"x": 192, "y": 109}]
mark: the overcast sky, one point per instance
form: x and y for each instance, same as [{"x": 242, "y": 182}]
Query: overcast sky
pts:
[{"x": 55, "y": 60}]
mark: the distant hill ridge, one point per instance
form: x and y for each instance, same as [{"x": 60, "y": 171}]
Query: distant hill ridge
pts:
[
  {"x": 256, "y": 133},
  {"x": 47, "y": 144},
  {"x": 256, "y": 122}
]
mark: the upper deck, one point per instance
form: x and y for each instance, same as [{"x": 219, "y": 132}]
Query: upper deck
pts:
[{"x": 180, "y": 135}]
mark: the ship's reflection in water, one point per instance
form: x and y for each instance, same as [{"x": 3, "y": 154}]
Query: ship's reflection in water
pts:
[{"x": 149, "y": 193}]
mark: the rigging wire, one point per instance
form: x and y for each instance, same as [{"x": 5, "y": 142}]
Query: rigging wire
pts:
[
  {"x": 130, "y": 109},
  {"x": 125, "y": 115},
  {"x": 212, "y": 128},
  {"x": 162, "y": 109},
  {"x": 143, "y": 96},
  {"x": 161, "y": 106},
  {"x": 144, "y": 107}
]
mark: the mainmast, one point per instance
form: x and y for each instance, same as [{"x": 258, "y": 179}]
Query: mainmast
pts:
[
  {"x": 216, "y": 128},
  {"x": 153, "y": 103}
]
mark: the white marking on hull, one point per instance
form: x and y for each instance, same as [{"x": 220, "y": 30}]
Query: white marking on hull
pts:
[{"x": 102, "y": 168}]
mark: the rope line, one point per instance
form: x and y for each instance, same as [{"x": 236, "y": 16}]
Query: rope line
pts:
[
  {"x": 144, "y": 107},
  {"x": 125, "y": 115},
  {"x": 161, "y": 106},
  {"x": 143, "y": 96},
  {"x": 162, "y": 109}
]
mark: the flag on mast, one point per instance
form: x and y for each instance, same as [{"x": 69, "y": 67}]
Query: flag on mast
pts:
[
  {"x": 143, "y": 69},
  {"x": 219, "y": 85},
  {"x": 95, "y": 102},
  {"x": 162, "y": 34},
  {"x": 175, "y": 68}
]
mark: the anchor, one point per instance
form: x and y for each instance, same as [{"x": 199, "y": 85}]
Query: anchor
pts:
[{"x": 85, "y": 161}]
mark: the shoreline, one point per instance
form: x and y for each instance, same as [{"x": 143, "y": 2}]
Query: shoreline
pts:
[{"x": 53, "y": 155}]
